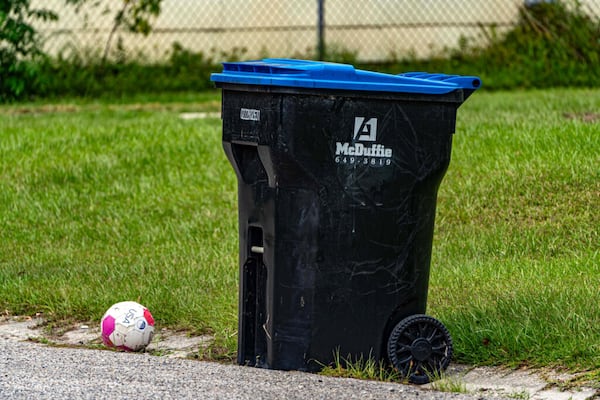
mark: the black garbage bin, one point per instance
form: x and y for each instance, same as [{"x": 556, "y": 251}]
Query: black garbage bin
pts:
[{"x": 338, "y": 171}]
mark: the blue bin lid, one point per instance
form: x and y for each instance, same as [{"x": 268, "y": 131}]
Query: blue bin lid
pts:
[{"x": 324, "y": 75}]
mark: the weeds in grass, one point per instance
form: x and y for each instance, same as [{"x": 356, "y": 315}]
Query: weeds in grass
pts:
[
  {"x": 522, "y": 395},
  {"x": 443, "y": 383},
  {"x": 217, "y": 352},
  {"x": 361, "y": 368},
  {"x": 369, "y": 369}
]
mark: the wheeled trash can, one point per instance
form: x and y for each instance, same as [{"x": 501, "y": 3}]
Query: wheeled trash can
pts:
[{"x": 338, "y": 171}]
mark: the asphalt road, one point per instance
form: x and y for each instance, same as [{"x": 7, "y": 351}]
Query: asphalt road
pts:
[{"x": 36, "y": 371}]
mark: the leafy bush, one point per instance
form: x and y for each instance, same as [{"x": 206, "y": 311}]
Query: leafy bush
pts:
[
  {"x": 24, "y": 70},
  {"x": 19, "y": 47},
  {"x": 552, "y": 44}
]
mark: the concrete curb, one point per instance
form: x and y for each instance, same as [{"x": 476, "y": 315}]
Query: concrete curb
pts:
[{"x": 471, "y": 382}]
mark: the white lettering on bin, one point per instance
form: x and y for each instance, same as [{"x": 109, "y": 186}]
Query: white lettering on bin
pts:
[{"x": 373, "y": 154}]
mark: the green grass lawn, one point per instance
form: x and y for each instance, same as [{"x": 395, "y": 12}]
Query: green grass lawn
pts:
[
  {"x": 102, "y": 202},
  {"x": 516, "y": 263}
]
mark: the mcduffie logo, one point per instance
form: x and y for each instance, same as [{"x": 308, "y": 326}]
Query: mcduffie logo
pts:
[{"x": 364, "y": 148}]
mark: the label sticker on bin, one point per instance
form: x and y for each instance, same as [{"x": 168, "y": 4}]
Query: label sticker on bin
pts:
[{"x": 324, "y": 75}]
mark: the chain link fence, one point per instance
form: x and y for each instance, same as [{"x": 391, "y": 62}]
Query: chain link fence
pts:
[{"x": 370, "y": 30}]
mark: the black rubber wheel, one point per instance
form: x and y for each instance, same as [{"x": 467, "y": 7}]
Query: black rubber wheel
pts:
[{"x": 420, "y": 348}]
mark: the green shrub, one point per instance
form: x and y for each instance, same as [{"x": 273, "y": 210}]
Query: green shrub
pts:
[
  {"x": 19, "y": 47},
  {"x": 552, "y": 44}
]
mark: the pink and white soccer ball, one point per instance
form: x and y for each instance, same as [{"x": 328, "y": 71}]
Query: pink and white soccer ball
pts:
[{"x": 127, "y": 326}]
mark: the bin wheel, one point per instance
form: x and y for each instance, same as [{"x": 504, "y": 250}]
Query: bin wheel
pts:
[{"x": 420, "y": 348}]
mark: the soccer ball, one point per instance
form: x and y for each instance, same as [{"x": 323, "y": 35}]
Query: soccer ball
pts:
[{"x": 127, "y": 326}]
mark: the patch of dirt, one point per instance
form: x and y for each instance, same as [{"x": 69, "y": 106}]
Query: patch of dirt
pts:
[
  {"x": 589, "y": 116},
  {"x": 209, "y": 107},
  {"x": 166, "y": 342}
]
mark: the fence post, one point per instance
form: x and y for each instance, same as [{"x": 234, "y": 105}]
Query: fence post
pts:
[{"x": 321, "y": 30}]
